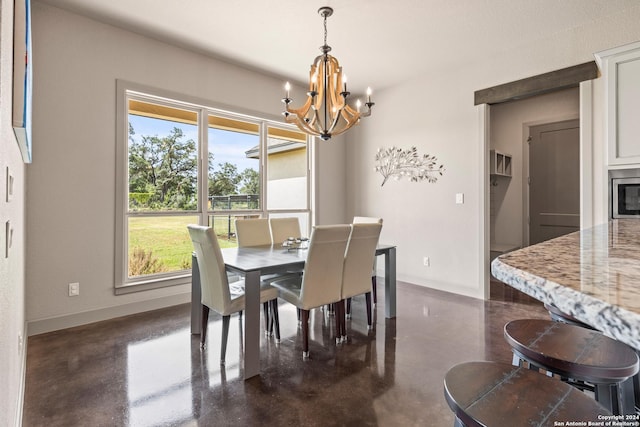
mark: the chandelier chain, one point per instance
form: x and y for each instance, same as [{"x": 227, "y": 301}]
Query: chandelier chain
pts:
[{"x": 325, "y": 30}]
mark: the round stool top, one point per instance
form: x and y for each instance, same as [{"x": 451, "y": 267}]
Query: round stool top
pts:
[
  {"x": 572, "y": 351},
  {"x": 499, "y": 394}
]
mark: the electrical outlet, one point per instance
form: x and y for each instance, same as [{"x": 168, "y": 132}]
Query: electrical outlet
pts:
[
  {"x": 74, "y": 289},
  {"x": 20, "y": 343},
  {"x": 426, "y": 261}
]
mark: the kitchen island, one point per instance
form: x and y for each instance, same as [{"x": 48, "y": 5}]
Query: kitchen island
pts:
[{"x": 592, "y": 274}]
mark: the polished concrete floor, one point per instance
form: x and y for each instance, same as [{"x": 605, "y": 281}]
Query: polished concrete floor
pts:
[{"x": 147, "y": 369}]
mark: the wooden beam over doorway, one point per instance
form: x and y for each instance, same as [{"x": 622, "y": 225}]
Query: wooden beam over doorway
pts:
[{"x": 537, "y": 85}]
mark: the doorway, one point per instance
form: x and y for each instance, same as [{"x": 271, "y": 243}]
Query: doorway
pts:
[
  {"x": 553, "y": 184},
  {"x": 546, "y": 119}
]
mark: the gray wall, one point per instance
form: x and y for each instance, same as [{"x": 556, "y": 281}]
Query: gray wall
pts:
[
  {"x": 435, "y": 112},
  {"x": 12, "y": 300},
  {"x": 71, "y": 195}
]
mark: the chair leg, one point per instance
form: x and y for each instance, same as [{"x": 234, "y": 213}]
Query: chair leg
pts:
[
  {"x": 298, "y": 313},
  {"x": 205, "y": 321},
  {"x": 348, "y": 308},
  {"x": 305, "y": 333},
  {"x": 339, "y": 316},
  {"x": 343, "y": 324},
  {"x": 374, "y": 288},
  {"x": 225, "y": 335},
  {"x": 367, "y": 297},
  {"x": 268, "y": 326},
  {"x": 276, "y": 317}
]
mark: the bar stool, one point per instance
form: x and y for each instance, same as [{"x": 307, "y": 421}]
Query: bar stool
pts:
[
  {"x": 584, "y": 358},
  {"x": 560, "y": 316},
  {"x": 496, "y": 394}
]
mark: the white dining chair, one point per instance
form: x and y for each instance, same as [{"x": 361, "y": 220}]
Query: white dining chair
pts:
[
  {"x": 284, "y": 228},
  {"x": 321, "y": 280},
  {"x": 217, "y": 293},
  {"x": 374, "y": 273},
  {"x": 253, "y": 232},
  {"x": 359, "y": 256}
]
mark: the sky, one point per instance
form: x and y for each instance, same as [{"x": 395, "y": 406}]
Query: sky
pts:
[{"x": 226, "y": 146}]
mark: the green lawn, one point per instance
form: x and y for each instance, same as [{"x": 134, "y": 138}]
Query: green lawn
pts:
[{"x": 168, "y": 238}]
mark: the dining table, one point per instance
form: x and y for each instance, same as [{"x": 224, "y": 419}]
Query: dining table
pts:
[{"x": 256, "y": 261}]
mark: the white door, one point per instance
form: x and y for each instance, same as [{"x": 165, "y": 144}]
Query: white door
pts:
[{"x": 554, "y": 180}]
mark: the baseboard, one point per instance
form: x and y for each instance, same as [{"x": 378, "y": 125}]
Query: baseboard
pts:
[
  {"x": 51, "y": 324},
  {"x": 477, "y": 292},
  {"x": 23, "y": 379}
]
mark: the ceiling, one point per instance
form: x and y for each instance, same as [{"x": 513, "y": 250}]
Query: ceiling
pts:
[{"x": 378, "y": 42}]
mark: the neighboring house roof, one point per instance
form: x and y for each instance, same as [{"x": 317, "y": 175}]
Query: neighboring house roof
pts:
[{"x": 275, "y": 145}]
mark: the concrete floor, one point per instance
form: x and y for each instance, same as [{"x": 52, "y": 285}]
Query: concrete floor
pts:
[{"x": 147, "y": 369}]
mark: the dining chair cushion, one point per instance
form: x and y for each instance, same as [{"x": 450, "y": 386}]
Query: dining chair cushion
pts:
[
  {"x": 253, "y": 232},
  {"x": 283, "y": 228}
]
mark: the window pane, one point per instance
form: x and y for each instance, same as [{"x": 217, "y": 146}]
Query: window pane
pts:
[
  {"x": 159, "y": 244},
  {"x": 234, "y": 164},
  {"x": 163, "y": 158},
  {"x": 287, "y": 169}
]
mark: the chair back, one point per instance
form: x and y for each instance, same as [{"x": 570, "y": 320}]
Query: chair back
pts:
[
  {"x": 360, "y": 255},
  {"x": 283, "y": 228},
  {"x": 369, "y": 220},
  {"x": 253, "y": 232},
  {"x": 213, "y": 276},
  {"x": 322, "y": 278},
  {"x": 366, "y": 220}
]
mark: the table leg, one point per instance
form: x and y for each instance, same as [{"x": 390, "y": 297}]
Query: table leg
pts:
[
  {"x": 390, "y": 283},
  {"x": 196, "y": 311},
  {"x": 252, "y": 325}
]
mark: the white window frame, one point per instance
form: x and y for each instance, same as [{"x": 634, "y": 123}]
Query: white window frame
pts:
[{"x": 128, "y": 90}]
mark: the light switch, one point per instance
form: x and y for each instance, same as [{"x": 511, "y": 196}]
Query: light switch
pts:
[
  {"x": 8, "y": 237},
  {"x": 9, "y": 185},
  {"x": 459, "y": 198}
]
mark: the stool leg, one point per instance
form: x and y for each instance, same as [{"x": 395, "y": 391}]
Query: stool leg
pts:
[
  {"x": 636, "y": 391},
  {"x": 626, "y": 397},
  {"x": 458, "y": 423},
  {"x": 606, "y": 397},
  {"x": 516, "y": 361}
]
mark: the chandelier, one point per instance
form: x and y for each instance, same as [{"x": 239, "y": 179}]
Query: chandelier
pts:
[{"x": 326, "y": 112}]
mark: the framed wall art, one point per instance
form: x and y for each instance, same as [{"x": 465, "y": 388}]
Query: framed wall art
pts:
[{"x": 22, "y": 77}]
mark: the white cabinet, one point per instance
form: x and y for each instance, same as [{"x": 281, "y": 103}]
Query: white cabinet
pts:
[
  {"x": 499, "y": 163},
  {"x": 621, "y": 73}
]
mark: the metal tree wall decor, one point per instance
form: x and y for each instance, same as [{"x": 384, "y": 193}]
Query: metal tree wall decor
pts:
[{"x": 396, "y": 162}]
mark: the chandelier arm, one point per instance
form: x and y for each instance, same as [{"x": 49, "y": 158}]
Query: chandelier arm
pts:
[
  {"x": 303, "y": 126},
  {"x": 302, "y": 111},
  {"x": 304, "y": 121}
]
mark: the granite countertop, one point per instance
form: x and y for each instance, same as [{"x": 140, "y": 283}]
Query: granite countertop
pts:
[{"x": 593, "y": 275}]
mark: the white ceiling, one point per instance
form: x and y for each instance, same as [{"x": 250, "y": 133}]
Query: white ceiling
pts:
[{"x": 378, "y": 42}]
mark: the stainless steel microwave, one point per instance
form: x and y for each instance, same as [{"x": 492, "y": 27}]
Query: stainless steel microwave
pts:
[{"x": 625, "y": 197}]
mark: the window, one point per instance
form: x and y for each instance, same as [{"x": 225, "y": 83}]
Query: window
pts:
[{"x": 181, "y": 163}]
